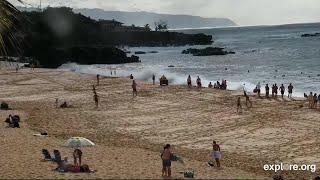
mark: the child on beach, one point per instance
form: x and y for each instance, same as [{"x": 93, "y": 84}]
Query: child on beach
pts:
[
  {"x": 239, "y": 106},
  {"x": 166, "y": 161},
  {"x": 96, "y": 99},
  {"x": 216, "y": 153},
  {"x": 247, "y": 99}
]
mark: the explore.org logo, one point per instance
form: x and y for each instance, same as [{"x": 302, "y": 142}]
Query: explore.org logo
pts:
[{"x": 290, "y": 167}]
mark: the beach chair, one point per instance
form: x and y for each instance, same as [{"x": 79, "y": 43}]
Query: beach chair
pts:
[
  {"x": 46, "y": 155},
  {"x": 57, "y": 156}
]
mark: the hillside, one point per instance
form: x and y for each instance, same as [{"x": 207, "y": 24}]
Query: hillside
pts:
[{"x": 142, "y": 18}]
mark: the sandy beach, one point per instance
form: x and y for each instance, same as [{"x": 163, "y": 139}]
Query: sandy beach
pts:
[{"x": 129, "y": 132}]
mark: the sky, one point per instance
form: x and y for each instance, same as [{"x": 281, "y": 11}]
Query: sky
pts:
[{"x": 243, "y": 12}]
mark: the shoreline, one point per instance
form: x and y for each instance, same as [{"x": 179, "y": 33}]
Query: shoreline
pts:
[{"x": 188, "y": 119}]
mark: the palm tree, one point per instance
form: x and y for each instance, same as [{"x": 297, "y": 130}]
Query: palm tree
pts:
[{"x": 9, "y": 16}]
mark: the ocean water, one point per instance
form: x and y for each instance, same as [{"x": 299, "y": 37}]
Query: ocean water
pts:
[{"x": 271, "y": 54}]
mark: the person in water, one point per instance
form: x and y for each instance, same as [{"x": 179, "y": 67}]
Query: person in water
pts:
[
  {"x": 239, "y": 106},
  {"x": 282, "y": 90},
  {"x": 267, "y": 90},
  {"x": 134, "y": 88},
  {"x": 290, "y": 90},
  {"x": 166, "y": 161},
  {"x": 216, "y": 153},
  {"x": 189, "y": 82},
  {"x": 210, "y": 85}
]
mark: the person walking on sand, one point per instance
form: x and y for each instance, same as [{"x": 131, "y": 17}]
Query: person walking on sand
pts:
[
  {"x": 154, "y": 79},
  {"x": 94, "y": 89},
  {"x": 98, "y": 79},
  {"x": 189, "y": 82},
  {"x": 315, "y": 100},
  {"x": 134, "y": 88},
  {"x": 247, "y": 99},
  {"x": 282, "y": 90},
  {"x": 166, "y": 161},
  {"x": 199, "y": 82},
  {"x": 216, "y": 153},
  {"x": 290, "y": 90},
  {"x": 267, "y": 90},
  {"x": 239, "y": 106},
  {"x": 96, "y": 99}
]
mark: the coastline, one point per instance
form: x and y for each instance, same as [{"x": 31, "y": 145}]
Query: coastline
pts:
[{"x": 129, "y": 128}]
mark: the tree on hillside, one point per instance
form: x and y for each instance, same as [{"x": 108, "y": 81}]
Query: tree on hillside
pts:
[
  {"x": 147, "y": 27},
  {"x": 9, "y": 18},
  {"x": 161, "y": 26}
]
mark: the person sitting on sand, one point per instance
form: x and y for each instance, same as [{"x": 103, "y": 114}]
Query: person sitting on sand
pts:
[
  {"x": 210, "y": 85},
  {"x": 77, "y": 154},
  {"x": 282, "y": 90},
  {"x": 290, "y": 90},
  {"x": 166, "y": 160},
  {"x": 189, "y": 82},
  {"x": 267, "y": 91},
  {"x": 218, "y": 85},
  {"x": 216, "y": 153},
  {"x": 96, "y": 99},
  {"x": 199, "y": 85},
  {"x": 134, "y": 88},
  {"x": 239, "y": 106},
  {"x": 64, "y": 105},
  {"x": 98, "y": 79}
]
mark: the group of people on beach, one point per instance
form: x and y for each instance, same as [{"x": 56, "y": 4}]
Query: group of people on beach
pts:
[
  {"x": 274, "y": 90},
  {"x": 313, "y": 100},
  {"x": 167, "y": 156},
  {"x": 218, "y": 85}
]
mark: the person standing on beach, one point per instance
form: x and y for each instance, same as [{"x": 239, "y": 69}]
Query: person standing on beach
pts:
[
  {"x": 189, "y": 82},
  {"x": 166, "y": 161},
  {"x": 310, "y": 99},
  {"x": 154, "y": 79},
  {"x": 216, "y": 153},
  {"x": 282, "y": 90},
  {"x": 239, "y": 106},
  {"x": 290, "y": 90},
  {"x": 96, "y": 99},
  {"x": 210, "y": 85},
  {"x": 98, "y": 79},
  {"x": 258, "y": 88},
  {"x": 267, "y": 90},
  {"x": 199, "y": 85},
  {"x": 94, "y": 89},
  {"x": 272, "y": 89},
  {"x": 276, "y": 90},
  {"x": 315, "y": 100},
  {"x": 134, "y": 88},
  {"x": 131, "y": 76}
]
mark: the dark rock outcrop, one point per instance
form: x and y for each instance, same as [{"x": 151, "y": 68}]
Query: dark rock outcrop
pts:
[
  {"x": 311, "y": 35},
  {"x": 209, "y": 51}
]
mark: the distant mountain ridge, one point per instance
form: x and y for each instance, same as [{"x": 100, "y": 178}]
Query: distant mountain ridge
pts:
[{"x": 142, "y": 18}]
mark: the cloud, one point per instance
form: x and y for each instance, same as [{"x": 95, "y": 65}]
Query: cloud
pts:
[{"x": 244, "y": 12}]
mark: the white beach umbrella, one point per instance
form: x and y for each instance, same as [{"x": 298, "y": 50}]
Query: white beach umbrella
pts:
[{"x": 77, "y": 142}]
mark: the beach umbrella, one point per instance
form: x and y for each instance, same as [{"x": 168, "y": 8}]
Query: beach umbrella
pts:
[{"x": 77, "y": 142}]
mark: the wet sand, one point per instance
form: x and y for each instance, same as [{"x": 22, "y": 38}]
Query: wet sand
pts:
[{"x": 130, "y": 132}]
